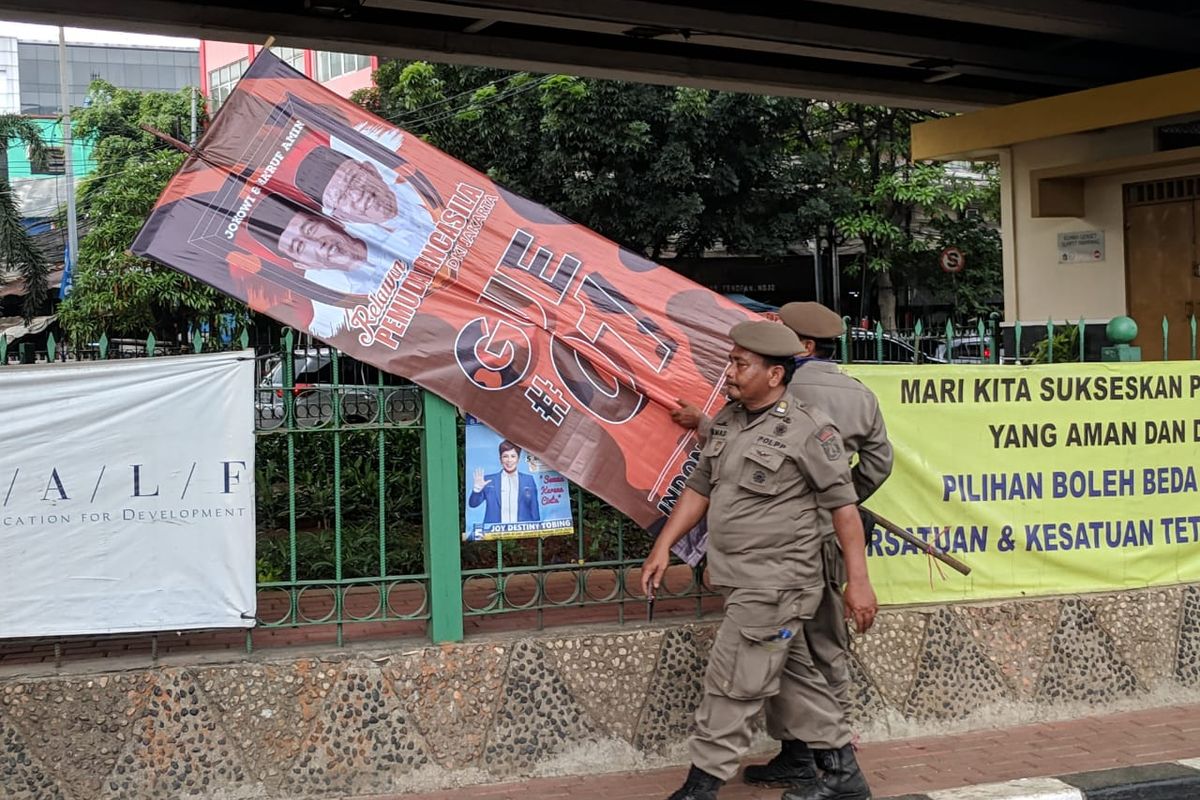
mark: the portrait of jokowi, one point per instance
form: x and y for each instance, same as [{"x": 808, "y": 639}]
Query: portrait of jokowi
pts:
[{"x": 272, "y": 254}]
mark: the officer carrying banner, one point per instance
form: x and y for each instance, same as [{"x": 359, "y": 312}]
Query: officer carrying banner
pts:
[
  {"x": 818, "y": 383},
  {"x": 767, "y": 468}
]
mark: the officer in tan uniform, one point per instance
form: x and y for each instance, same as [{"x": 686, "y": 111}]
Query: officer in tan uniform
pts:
[
  {"x": 854, "y": 408},
  {"x": 767, "y": 466}
]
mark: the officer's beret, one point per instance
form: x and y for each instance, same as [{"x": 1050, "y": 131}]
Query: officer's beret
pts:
[
  {"x": 765, "y": 338},
  {"x": 811, "y": 320}
]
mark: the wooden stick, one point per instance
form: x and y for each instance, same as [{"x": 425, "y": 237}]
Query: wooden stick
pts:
[
  {"x": 925, "y": 547},
  {"x": 270, "y": 41},
  {"x": 166, "y": 137}
]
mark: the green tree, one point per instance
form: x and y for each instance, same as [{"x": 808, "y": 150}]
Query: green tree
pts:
[
  {"x": 113, "y": 291},
  {"x": 17, "y": 250},
  {"x": 676, "y": 170},
  {"x": 657, "y": 169},
  {"x": 904, "y": 213},
  {"x": 973, "y": 291}
]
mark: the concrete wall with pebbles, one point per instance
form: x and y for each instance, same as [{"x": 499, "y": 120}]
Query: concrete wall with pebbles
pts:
[{"x": 378, "y": 722}]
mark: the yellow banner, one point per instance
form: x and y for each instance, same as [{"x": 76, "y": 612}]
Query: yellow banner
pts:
[{"x": 1044, "y": 480}]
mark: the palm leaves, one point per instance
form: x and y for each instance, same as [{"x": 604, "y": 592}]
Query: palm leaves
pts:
[{"x": 17, "y": 251}]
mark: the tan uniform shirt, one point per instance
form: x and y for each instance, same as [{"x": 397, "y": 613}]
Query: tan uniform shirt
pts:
[
  {"x": 855, "y": 410},
  {"x": 765, "y": 479}
]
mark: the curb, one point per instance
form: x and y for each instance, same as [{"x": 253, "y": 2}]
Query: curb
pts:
[{"x": 1175, "y": 780}]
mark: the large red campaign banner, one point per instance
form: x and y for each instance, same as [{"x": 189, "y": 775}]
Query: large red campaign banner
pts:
[{"x": 329, "y": 219}]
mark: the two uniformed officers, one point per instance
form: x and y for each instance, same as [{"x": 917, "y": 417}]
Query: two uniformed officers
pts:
[
  {"x": 766, "y": 468},
  {"x": 855, "y": 410}
]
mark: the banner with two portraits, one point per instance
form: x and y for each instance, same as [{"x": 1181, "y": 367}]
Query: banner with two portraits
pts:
[{"x": 329, "y": 219}]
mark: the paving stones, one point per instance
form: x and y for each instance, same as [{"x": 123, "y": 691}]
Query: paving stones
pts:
[
  {"x": 1146, "y": 648},
  {"x": 269, "y": 709},
  {"x": 954, "y": 675},
  {"x": 179, "y": 747},
  {"x": 1084, "y": 663},
  {"x": 80, "y": 725},
  {"x": 1016, "y": 637},
  {"x": 609, "y": 675},
  {"x": 383, "y": 723},
  {"x": 675, "y": 690},
  {"x": 22, "y": 777},
  {"x": 450, "y": 694},
  {"x": 1187, "y": 657},
  {"x": 363, "y": 741},
  {"x": 888, "y": 652},
  {"x": 538, "y": 717},
  {"x": 866, "y": 701}
]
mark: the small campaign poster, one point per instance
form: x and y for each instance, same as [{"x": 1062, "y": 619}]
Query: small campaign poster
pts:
[{"x": 510, "y": 492}]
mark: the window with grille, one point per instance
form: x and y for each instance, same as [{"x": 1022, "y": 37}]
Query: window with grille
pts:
[
  {"x": 292, "y": 56},
  {"x": 53, "y": 161},
  {"x": 1167, "y": 191},
  {"x": 332, "y": 65},
  {"x": 222, "y": 80}
]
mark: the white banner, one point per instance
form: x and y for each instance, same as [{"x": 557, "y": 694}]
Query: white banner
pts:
[{"x": 127, "y": 496}]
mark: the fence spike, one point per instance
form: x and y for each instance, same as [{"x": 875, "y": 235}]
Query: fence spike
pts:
[
  {"x": 1166, "y": 334},
  {"x": 244, "y": 338},
  {"x": 879, "y": 342},
  {"x": 197, "y": 342},
  {"x": 1049, "y": 341},
  {"x": 103, "y": 346},
  {"x": 1192, "y": 324},
  {"x": 51, "y": 348},
  {"x": 1017, "y": 341},
  {"x": 151, "y": 344},
  {"x": 919, "y": 328},
  {"x": 1082, "y": 340},
  {"x": 3, "y": 350}
]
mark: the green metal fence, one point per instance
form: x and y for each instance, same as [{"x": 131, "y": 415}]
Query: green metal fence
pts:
[
  {"x": 598, "y": 567},
  {"x": 340, "y": 511},
  {"x": 986, "y": 342},
  {"x": 979, "y": 344},
  {"x": 359, "y": 508},
  {"x": 359, "y": 504}
]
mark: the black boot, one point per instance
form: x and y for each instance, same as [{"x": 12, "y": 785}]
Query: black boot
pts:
[
  {"x": 841, "y": 779},
  {"x": 791, "y": 768},
  {"x": 698, "y": 786}
]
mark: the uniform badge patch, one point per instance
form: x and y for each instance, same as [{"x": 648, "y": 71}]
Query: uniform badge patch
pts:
[
  {"x": 780, "y": 429},
  {"x": 830, "y": 442},
  {"x": 759, "y": 476}
]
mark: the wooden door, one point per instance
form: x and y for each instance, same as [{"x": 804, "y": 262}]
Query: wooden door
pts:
[{"x": 1161, "y": 274}]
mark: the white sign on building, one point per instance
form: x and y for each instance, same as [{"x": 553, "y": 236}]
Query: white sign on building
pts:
[
  {"x": 127, "y": 496},
  {"x": 1080, "y": 246}
]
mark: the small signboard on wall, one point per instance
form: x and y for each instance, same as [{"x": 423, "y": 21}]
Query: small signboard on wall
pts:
[{"x": 1078, "y": 246}]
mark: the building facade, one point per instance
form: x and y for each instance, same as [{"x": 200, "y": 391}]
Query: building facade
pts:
[
  {"x": 1100, "y": 204},
  {"x": 142, "y": 68},
  {"x": 10, "y": 93},
  {"x": 222, "y": 63},
  {"x": 29, "y": 85}
]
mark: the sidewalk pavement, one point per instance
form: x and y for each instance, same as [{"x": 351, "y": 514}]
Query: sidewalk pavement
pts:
[{"x": 1083, "y": 752}]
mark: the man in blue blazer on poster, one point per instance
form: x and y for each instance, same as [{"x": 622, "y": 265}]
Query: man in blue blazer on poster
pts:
[{"x": 511, "y": 496}]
